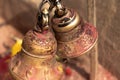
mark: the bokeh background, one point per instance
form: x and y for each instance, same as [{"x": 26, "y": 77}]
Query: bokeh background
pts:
[{"x": 18, "y": 16}]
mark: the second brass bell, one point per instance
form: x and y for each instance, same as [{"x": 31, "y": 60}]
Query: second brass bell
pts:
[{"x": 75, "y": 36}]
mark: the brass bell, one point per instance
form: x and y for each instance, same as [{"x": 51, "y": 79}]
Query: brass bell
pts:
[
  {"x": 36, "y": 60},
  {"x": 74, "y": 36}
]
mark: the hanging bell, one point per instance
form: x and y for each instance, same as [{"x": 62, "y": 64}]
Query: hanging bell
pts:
[
  {"x": 74, "y": 36},
  {"x": 36, "y": 59}
]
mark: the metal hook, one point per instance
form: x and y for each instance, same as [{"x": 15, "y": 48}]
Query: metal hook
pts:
[
  {"x": 60, "y": 9},
  {"x": 43, "y": 21},
  {"x": 43, "y": 3}
]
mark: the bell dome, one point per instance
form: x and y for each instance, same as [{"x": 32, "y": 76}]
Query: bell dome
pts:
[{"x": 36, "y": 43}]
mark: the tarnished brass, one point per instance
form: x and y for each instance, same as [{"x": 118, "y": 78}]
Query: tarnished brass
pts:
[
  {"x": 66, "y": 22},
  {"x": 36, "y": 60},
  {"x": 39, "y": 44},
  {"x": 74, "y": 36}
]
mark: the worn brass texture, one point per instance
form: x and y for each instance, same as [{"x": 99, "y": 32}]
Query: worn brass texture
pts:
[
  {"x": 36, "y": 59},
  {"x": 66, "y": 22},
  {"x": 74, "y": 36}
]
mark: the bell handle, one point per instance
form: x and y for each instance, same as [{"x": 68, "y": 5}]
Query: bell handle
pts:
[{"x": 43, "y": 21}]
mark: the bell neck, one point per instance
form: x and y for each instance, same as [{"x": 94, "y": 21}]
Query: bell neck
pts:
[
  {"x": 66, "y": 22},
  {"x": 64, "y": 19}
]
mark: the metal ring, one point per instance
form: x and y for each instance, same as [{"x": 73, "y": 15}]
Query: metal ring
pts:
[{"x": 41, "y": 56}]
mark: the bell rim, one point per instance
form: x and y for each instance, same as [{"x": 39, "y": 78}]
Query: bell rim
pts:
[{"x": 82, "y": 53}]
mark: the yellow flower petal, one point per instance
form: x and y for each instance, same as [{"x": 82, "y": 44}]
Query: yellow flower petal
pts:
[
  {"x": 16, "y": 47},
  {"x": 60, "y": 68}
]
